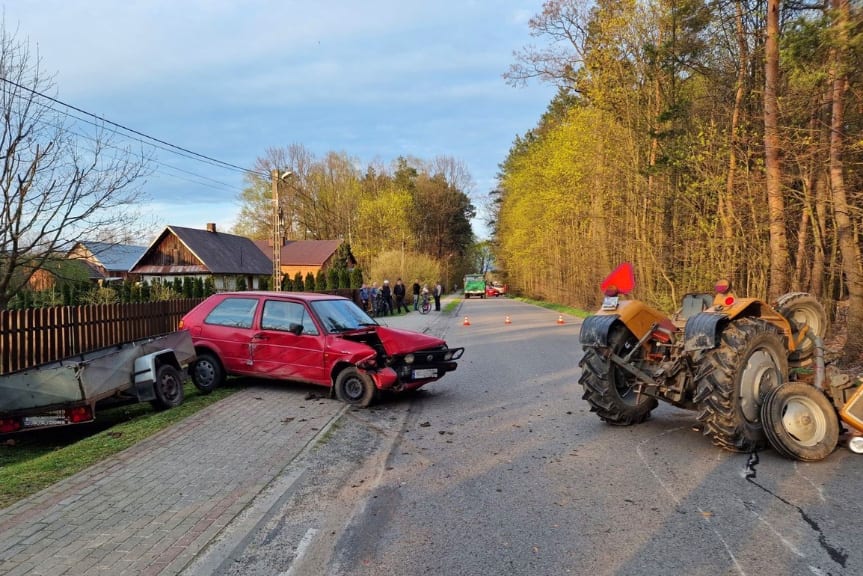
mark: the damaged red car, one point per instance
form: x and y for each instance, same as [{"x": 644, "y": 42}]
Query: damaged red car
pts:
[{"x": 314, "y": 338}]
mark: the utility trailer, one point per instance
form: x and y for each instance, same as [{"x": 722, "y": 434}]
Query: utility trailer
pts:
[{"x": 68, "y": 391}]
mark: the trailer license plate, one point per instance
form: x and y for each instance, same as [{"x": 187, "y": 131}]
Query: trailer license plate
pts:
[
  {"x": 425, "y": 373},
  {"x": 610, "y": 303},
  {"x": 33, "y": 421}
]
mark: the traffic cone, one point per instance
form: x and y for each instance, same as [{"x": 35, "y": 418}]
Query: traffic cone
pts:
[
  {"x": 507, "y": 320},
  {"x": 560, "y": 319},
  {"x": 466, "y": 321}
]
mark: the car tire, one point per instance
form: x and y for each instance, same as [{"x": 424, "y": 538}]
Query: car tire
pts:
[
  {"x": 355, "y": 388},
  {"x": 168, "y": 388},
  {"x": 207, "y": 373}
]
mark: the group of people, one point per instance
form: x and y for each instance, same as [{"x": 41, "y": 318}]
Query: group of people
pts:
[{"x": 388, "y": 300}]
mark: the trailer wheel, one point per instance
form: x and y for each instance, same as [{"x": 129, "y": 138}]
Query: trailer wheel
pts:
[
  {"x": 207, "y": 373},
  {"x": 168, "y": 388},
  {"x": 733, "y": 380},
  {"x": 800, "y": 422},
  {"x": 355, "y": 388}
]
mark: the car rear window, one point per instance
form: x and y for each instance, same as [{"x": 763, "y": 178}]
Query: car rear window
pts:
[{"x": 236, "y": 312}]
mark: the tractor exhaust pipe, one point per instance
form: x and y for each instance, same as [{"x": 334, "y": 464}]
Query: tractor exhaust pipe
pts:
[{"x": 819, "y": 359}]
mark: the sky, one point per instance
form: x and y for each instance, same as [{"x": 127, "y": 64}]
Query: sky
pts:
[{"x": 373, "y": 79}]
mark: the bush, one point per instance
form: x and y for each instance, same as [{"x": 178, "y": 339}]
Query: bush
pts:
[
  {"x": 321, "y": 281},
  {"x": 298, "y": 282},
  {"x": 310, "y": 282}
]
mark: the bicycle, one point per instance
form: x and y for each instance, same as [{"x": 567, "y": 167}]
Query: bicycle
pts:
[{"x": 425, "y": 304}]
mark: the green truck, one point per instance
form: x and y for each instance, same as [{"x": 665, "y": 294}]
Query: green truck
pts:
[{"x": 474, "y": 285}]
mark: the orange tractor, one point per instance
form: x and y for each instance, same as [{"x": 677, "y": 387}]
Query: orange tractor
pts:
[{"x": 753, "y": 372}]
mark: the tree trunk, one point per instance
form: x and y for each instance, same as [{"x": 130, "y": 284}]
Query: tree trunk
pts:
[
  {"x": 779, "y": 259},
  {"x": 844, "y": 226}
]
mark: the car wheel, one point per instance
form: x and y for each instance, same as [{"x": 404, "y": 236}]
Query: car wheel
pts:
[
  {"x": 355, "y": 388},
  {"x": 207, "y": 373},
  {"x": 168, "y": 387}
]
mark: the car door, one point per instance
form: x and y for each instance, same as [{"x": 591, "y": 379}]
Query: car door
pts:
[
  {"x": 228, "y": 329},
  {"x": 289, "y": 345}
]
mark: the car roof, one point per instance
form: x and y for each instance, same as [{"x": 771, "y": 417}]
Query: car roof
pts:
[{"x": 307, "y": 296}]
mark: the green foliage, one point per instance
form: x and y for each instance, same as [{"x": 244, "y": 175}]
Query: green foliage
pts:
[
  {"x": 309, "y": 285},
  {"x": 391, "y": 265},
  {"x": 333, "y": 277},
  {"x": 344, "y": 278},
  {"x": 188, "y": 287},
  {"x": 241, "y": 284},
  {"x": 209, "y": 286},
  {"x": 99, "y": 295},
  {"x": 321, "y": 283},
  {"x": 177, "y": 285},
  {"x": 287, "y": 284},
  {"x": 298, "y": 282},
  {"x": 356, "y": 277}
]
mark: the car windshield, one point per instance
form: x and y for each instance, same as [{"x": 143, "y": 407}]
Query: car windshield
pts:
[{"x": 341, "y": 315}]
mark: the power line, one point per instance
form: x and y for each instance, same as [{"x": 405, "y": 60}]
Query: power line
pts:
[{"x": 173, "y": 147}]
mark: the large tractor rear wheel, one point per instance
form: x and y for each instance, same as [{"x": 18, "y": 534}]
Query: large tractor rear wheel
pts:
[
  {"x": 802, "y": 309},
  {"x": 608, "y": 389},
  {"x": 733, "y": 379}
]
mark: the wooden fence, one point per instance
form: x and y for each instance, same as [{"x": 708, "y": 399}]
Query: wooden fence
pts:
[{"x": 40, "y": 335}]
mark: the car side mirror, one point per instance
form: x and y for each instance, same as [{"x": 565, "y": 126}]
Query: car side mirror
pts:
[{"x": 295, "y": 328}]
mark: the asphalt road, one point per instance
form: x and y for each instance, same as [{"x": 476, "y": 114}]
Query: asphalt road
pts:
[{"x": 500, "y": 468}]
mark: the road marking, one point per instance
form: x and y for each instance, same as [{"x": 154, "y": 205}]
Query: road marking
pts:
[{"x": 301, "y": 550}]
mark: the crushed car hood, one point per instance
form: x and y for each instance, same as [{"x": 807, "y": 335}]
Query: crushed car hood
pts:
[{"x": 397, "y": 341}]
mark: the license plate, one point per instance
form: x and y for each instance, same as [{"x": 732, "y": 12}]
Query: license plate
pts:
[
  {"x": 425, "y": 373},
  {"x": 33, "y": 421},
  {"x": 610, "y": 303}
]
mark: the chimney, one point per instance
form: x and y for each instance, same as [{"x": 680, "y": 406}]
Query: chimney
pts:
[{"x": 211, "y": 226}]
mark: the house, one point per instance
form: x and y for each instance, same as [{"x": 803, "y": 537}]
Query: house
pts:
[
  {"x": 106, "y": 261},
  {"x": 305, "y": 256},
  {"x": 190, "y": 252}
]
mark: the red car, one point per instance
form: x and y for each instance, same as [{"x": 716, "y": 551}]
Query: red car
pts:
[{"x": 315, "y": 338}]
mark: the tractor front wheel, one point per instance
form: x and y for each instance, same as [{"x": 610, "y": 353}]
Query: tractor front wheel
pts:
[
  {"x": 733, "y": 379},
  {"x": 609, "y": 389}
]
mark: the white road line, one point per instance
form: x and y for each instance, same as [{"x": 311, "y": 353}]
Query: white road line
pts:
[{"x": 301, "y": 550}]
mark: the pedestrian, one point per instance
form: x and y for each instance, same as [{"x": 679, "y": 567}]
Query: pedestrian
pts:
[
  {"x": 416, "y": 292},
  {"x": 438, "y": 290},
  {"x": 387, "y": 298},
  {"x": 364, "y": 296},
  {"x": 399, "y": 293},
  {"x": 374, "y": 298}
]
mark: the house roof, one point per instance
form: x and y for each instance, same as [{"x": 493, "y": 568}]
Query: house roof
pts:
[
  {"x": 113, "y": 257},
  {"x": 301, "y": 252},
  {"x": 308, "y": 252},
  {"x": 218, "y": 252}
]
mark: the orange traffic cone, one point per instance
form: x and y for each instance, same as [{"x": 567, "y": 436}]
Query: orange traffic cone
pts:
[
  {"x": 560, "y": 319},
  {"x": 507, "y": 320},
  {"x": 466, "y": 321}
]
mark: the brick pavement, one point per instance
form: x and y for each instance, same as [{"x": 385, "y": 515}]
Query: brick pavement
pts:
[{"x": 150, "y": 509}]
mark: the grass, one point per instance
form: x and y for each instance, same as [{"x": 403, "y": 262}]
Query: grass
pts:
[
  {"x": 451, "y": 305},
  {"x": 35, "y": 460},
  {"x": 556, "y": 307}
]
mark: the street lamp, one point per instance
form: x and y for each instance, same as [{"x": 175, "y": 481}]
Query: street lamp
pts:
[{"x": 277, "y": 227}]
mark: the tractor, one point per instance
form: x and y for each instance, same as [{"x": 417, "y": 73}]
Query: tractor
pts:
[{"x": 753, "y": 372}]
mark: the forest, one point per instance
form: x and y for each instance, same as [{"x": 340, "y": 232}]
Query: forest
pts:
[
  {"x": 408, "y": 220},
  {"x": 698, "y": 140}
]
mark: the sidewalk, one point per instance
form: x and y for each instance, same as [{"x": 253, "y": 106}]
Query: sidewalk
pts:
[{"x": 152, "y": 508}]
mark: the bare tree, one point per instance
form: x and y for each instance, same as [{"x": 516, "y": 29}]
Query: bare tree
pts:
[{"x": 58, "y": 187}]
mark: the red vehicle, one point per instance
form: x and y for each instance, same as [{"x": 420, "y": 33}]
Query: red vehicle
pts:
[
  {"x": 314, "y": 338},
  {"x": 491, "y": 291}
]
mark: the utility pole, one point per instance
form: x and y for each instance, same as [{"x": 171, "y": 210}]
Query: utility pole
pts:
[{"x": 277, "y": 234}]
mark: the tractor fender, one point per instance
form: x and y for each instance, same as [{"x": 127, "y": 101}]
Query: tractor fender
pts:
[
  {"x": 702, "y": 331},
  {"x": 595, "y": 329}
]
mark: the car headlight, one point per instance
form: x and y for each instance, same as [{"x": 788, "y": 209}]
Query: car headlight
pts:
[
  {"x": 409, "y": 358},
  {"x": 447, "y": 356}
]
